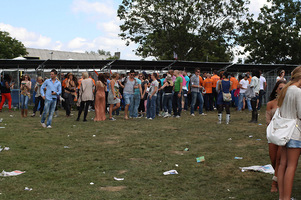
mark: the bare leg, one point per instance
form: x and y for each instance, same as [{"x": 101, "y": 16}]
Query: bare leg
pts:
[
  {"x": 116, "y": 107},
  {"x": 292, "y": 162},
  {"x": 126, "y": 109},
  {"x": 274, "y": 152},
  {"x": 281, "y": 172},
  {"x": 110, "y": 111}
]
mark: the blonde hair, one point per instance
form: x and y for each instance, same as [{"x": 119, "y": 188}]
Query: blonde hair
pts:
[
  {"x": 114, "y": 75},
  {"x": 40, "y": 78},
  {"x": 295, "y": 77},
  {"x": 85, "y": 75}
]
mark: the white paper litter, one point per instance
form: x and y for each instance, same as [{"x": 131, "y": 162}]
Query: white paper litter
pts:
[
  {"x": 2, "y": 127},
  {"x": 118, "y": 179},
  {"x": 13, "y": 173},
  {"x": 91, "y": 183},
  {"x": 1, "y": 120},
  {"x": 170, "y": 172},
  {"x": 27, "y": 189},
  {"x": 265, "y": 169},
  {"x": 4, "y": 148}
]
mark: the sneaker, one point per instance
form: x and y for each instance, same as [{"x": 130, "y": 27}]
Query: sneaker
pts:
[
  {"x": 49, "y": 126},
  {"x": 112, "y": 119},
  {"x": 33, "y": 114},
  {"x": 203, "y": 114},
  {"x": 43, "y": 125},
  {"x": 169, "y": 115},
  {"x": 150, "y": 118},
  {"x": 178, "y": 116},
  {"x": 40, "y": 115},
  {"x": 192, "y": 115}
]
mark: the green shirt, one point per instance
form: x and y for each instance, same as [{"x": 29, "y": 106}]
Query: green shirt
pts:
[{"x": 178, "y": 83}]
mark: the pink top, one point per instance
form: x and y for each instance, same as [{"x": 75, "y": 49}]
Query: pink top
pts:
[{"x": 184, "y": 80}]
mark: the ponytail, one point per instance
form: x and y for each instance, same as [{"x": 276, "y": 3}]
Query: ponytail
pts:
[{"x": 296, "y": 76}]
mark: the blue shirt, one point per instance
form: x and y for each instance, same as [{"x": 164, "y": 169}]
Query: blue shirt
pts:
[
  {"x": 187, "y": 81},
  {"x": 50, "y": 86},
  {"x": 162, "y": 81},
  {"x": 137, "y": 90}
]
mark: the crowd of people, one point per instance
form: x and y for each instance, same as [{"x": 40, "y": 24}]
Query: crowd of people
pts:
[
  {"x": 152, "y": 95},
  {"x": 140, "y": 94}
]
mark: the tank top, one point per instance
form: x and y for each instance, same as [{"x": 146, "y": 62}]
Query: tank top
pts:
[{"x": 168, "y": 89}]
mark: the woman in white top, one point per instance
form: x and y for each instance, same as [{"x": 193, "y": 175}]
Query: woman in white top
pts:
[
  {"x": 289, "y": 103},
  {"x": 86, "y": 95},
  {"x": 255, "y": 84},
  {"x": 281, "y": 76}
]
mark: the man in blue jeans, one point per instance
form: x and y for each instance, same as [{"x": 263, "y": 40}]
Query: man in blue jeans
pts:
[
  {"x": 53, "y": 89},
  {"x": 195, "y": 92}
]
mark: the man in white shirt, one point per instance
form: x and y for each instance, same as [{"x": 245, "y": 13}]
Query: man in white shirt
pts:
[
  {"x": 243, "y": 84},
  {"x": 263, "y": 87}
]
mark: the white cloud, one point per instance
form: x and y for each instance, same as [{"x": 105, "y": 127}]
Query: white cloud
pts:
[
  {"x": 92, "y": 8},
  {"x": 109, "y": 27},
  {"x": 26, "y": 37}
]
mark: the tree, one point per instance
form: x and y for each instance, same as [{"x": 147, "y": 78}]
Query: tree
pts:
[
  {"x": 192, "y": 29},
  {"x": 10, "y": 47},
  {"x": 275, "y": 37}
]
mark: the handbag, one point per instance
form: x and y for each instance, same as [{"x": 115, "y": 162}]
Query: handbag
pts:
[
  {"x": 226, "y": 96},
  {"x": 236, "y": 93},
  {"x": 250, "y": 93},
  {"x": 280, "y": 129}
]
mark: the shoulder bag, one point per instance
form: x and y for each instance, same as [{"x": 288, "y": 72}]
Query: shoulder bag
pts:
[
  {"x": 280, "y": 129},
  {"x": 226, "y": 96}
]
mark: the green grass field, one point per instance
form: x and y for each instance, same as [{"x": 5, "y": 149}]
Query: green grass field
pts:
[{"x": 139, "y": 151}]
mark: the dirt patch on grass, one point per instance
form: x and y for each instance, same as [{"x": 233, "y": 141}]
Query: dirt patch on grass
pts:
[
  {"x": 179, "y": 152},
  {"x": 110, "y": 142},
  {"x": 245, "y": 143},
  {"x": 170, "y": 128},
  {"x": 113, "y": 188},
  {"x": 122, "y": 171}
]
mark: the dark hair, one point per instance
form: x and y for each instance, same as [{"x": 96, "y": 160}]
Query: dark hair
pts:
[
  {"x": 23, "y": 77},
  {"x": 280, "y": 72},
  {"x": 274, "y": 93},
  {"x": 7, "y": 77},
  {"x": 164, "y": 75},
  {"x": 155, "y": 75},
  {"x": 214, "y": 72},
  {"x": 226, "y": 74},
  {"x": 54, "y": 71},
  {"x": 240, "y": 77},
  {"x": 102, "y": 78},
  {"x": 196, "y": 69},
  {"x": 132, "y": 71},
  {"x": 256, "y": 73}
]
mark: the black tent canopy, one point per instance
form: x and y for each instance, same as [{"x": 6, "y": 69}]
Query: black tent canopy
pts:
[{"x": 138, "y": 65}]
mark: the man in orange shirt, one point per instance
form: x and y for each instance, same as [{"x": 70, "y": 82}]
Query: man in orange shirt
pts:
[
  {"x": 215, "y": 78},
  {"x": 208, "y": 97},
  {"x": 234, "y": 88}
]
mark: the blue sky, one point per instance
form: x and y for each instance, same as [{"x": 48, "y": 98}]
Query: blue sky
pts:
[{"x": 70, "y": 25}]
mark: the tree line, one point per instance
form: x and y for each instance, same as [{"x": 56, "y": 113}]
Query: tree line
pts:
[{"x": 202, "y": 30}]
